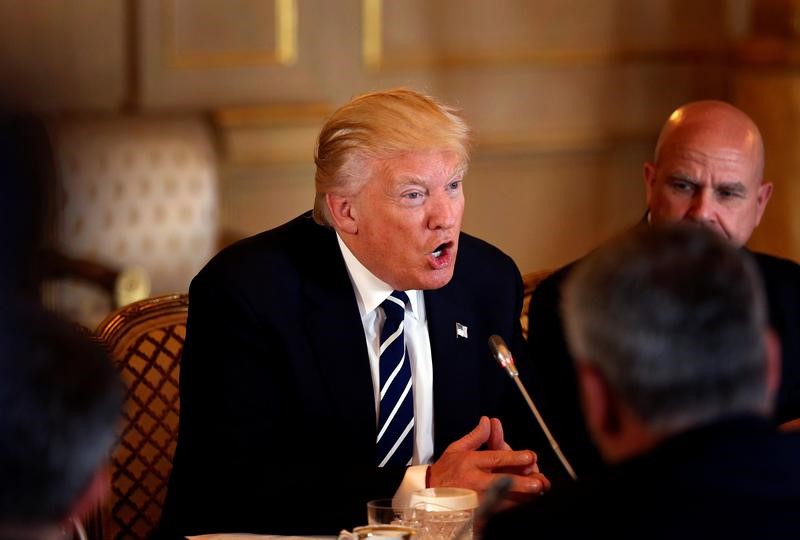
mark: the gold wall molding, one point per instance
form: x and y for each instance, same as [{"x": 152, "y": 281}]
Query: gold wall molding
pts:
[
  {"x": 372, "y": 33},
  {"x": 260, "y": 136},
  {"x": 267, "y": 115},
  {"x": 577, "y": 58},
  {"x": 285, "y": 51},
  {"x": 534, "y": 144},
  {"x": 375, "y": 57}
]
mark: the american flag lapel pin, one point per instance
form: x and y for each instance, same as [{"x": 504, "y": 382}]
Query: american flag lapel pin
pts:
[{"x": 461, "y": 331}]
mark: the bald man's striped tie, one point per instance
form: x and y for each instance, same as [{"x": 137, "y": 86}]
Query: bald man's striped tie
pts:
[{"x": 395, "y": 440}]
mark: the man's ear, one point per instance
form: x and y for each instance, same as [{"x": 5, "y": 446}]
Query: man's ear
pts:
[
  {"x": 764, "y": 193},
  {"x": 598, "y": 407},
  {"x": 342, "y": 213},
  {"x": 649, "y": 180}
]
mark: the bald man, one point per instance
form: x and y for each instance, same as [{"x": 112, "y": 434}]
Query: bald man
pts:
[{"x": 708, "y": 170}]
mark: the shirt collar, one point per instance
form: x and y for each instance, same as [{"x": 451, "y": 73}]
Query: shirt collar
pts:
[{"x": 370, "y": 290}]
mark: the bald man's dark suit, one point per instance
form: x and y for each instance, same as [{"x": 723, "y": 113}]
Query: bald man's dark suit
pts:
[
  {"x": 554, "y": 376},
  {"x": 277, "y": 429}
]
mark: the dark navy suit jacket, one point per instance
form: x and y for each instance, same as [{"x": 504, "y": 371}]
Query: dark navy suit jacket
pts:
[{"x": 277, "y": 428}]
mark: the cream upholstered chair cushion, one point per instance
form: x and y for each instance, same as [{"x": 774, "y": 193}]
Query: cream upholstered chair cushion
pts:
[{"x": 135, "y": 193}]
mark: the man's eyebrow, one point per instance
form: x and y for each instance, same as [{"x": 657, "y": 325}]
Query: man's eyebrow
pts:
[
  {"x": 410, "y": 179},
  {"x": 682, "y": 176},
  {"x": 461, "y": 170},
  {"x": 735, "y": 186}
]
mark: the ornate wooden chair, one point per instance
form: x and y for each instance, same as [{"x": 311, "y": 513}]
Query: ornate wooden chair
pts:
[
  {"x": 530, "y": 281},
  {"x": 123, "y": 286},
  {"x": 145, "y": 341}
]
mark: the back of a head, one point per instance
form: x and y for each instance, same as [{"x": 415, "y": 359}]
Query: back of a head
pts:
[
  {"x": 60, "y": 400},
  {"x": 381, "y": 125},
  {"x": 674, "y": 319}
]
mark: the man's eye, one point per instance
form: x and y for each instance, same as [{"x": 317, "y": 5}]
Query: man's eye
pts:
[
  {"x": 680, "y": 185},
  {"x": 454, "y": 185},
  {"x": 413, "y": 195},
  {"x": 728, "y": 193}
]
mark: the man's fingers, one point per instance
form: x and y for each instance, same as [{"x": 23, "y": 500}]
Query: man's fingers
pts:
[
  {"x": 535, "y": 483},
  {"x": 496, "y": 438},
  {"x": 524, "y": 470},
  {"x": 474, "y": 439},
  {"x": 526, "y": 484},
  {"x": 496, "y": 459}
]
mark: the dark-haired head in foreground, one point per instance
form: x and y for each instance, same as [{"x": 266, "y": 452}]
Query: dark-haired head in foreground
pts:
[{"x": 59, "y": 403}]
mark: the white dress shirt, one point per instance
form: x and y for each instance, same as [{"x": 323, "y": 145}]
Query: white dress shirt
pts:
[{"x": 370, "y": 293}]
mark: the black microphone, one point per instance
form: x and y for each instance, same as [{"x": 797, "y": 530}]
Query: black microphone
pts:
[{"x": 503, "y": 356}]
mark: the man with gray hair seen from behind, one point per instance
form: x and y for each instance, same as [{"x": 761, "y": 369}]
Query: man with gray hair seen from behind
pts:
[
  {"x": 707, "y": 170},
  {"x": 342, "y": 356},
  {"x": 677, "y": 369}
]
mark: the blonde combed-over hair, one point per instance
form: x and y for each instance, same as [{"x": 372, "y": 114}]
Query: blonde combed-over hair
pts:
[{"x": 376, "y": 126}]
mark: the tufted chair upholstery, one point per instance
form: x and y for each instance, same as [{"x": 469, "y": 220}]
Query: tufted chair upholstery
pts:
[
  {"x": 137, "y": 194},
  {"x": 145, "y": 341}
]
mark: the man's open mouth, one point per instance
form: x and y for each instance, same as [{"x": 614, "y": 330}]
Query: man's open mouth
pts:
[{"x": 440, "y": 249}]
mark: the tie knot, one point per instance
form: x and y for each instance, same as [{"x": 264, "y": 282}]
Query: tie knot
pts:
[{"x": 395, "y": 304}]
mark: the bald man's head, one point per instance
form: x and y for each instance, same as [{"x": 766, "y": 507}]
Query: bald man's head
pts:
[{"x": 708, "y": 168}]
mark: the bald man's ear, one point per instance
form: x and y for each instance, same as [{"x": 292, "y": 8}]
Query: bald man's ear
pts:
[
  {"x": 764, "y": 193},
  {"x": 649, "y": 180},
  {"x": 341, "y": 211}
]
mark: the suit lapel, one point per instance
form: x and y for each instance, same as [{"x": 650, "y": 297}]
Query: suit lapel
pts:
[
  {"x": 333, "y": 326},
  {"x": 456, "y": 395}
]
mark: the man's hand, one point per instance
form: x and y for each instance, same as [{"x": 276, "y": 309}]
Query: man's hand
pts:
[
  {"x": 463, "y": 465},
  {"x": 496, "y": 439},
  {"x": 497, "y": 442}
]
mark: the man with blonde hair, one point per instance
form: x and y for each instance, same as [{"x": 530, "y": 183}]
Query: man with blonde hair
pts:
[{"x": 342, "y": 356}]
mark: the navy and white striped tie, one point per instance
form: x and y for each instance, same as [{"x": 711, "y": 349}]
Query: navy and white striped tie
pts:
[{"x": 395, "y": 442}]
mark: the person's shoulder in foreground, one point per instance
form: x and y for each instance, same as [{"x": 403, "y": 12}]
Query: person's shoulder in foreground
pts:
[
  {"x": 720, "y": 484},
  {"x": 678, "y": 370}
]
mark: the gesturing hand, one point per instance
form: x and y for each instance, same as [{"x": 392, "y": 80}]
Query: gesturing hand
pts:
[{"x": 463, "y": 465}]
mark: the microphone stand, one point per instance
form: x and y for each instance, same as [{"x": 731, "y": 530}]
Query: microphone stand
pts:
[{"x": 503, "y": 356}]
